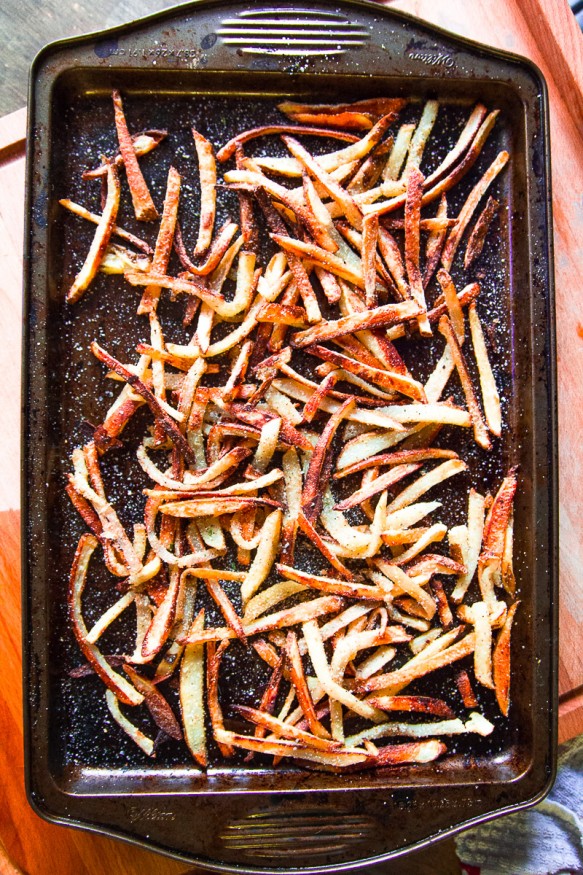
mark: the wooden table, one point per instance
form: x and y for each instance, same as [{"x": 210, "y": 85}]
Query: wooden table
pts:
[{"x": 546, "y": 32}]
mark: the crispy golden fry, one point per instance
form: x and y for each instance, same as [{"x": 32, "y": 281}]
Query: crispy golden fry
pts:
[
  {"x": 387, "y": 380},
  {"x": 399, "y": 152},
  {"x": 479, "y": 613},
  {"x": 376, "y": 106},
  {"x": 389, "y": 314},
  {"x": 279, "y": 620},
  {"x": 321, "y": 463},
  {"x": 144, "y": 207},
  {"x": 465, "y": 687},
  {"x": 404, "y": 676},
  {"x": 370, "y": 236},
  {"x": 208, "y": 178},
  {"x": 415, "y": 180},
  {"x": 502, "y": 662},
  {"x": 101, "y": 239},
  {"x": 116, "y": 230},
  {"x": 298, "y": 679},
  {"x": 435, "y": 241},
  {"x": 418, "y": 704},
  {"x": 421, "y": 135},
  {"x": 331, "y": 187}
]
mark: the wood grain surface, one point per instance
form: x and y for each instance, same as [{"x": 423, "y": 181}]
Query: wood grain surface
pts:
[{"x": 544, "y": 31}]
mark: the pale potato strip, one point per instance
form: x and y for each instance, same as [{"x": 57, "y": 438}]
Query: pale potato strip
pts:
[
  {"x": 439, "y": 377},
  {"x": 480, "y": 614},
  {"x": 267, "y": 445},
  {"x": 264, "y": 557},
  {"x": 476, "y": 515},
  {"x": 399, "y": 577},
  {"x": 267, "y": 599},
  {"x": 100, "y": 240},
  {"x": 399, "y": 152},
  {"x": 422, "y": 730},
  {"x": 377, "y": 660},
  {"x": 369, "y": 444},
  {"x": 434, "y": 533},
  {"x": 240, "y": 333},
  {"x": 136, "y": 735},
  {"x": 479, "y": 425},
  {"x": 466, "y": 138},
  {"x": 282, "y": 405},
  {"x": 490, "y": 396},
  {"x": 192, "y": 695},
  {"x": 410, "y": 515},
  {"x": 109, "y": 616},
  {"x": 319, "y": 660},
  {"x": 421, "y": 135}
]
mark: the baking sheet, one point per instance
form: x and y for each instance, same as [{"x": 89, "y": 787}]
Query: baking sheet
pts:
[{"x": 85, "y": 759}]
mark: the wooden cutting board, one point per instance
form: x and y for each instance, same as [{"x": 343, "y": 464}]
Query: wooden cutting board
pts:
[{"x": 546, "y": 32}]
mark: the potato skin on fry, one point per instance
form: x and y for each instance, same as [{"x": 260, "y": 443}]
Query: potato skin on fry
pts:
[{"x": 274, "y": 437}]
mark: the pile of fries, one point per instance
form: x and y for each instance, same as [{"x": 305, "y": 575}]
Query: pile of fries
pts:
[{"x": 290, "y": 450}]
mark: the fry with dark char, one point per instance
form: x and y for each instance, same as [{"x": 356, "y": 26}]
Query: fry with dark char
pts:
[
  {"x": 467, "y": 211},
  {"x": 298, "y": 680},
  {"x": 160, "y": 415},
  {"x": 417, "y": 704},
  {"x": 229, "y": 149},
  {"x": 480, "y": 428},
  {"x": 321, "y": 463},
  {"x": 480, "y": 230},
  {"x": 464, "y": 685},
  {"x": 309, "y": 530},
  {"x": 156, "y": 704}
]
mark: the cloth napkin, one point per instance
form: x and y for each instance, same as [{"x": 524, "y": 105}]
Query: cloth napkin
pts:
[{"x": 544, "y": 840}]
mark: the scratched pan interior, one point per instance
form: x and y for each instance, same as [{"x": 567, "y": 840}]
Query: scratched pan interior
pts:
[{"x": 80, "y": 766}]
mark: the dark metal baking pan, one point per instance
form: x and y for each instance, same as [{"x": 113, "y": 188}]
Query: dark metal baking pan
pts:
[{"x": 220, "y": 65}]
